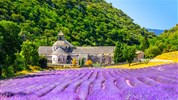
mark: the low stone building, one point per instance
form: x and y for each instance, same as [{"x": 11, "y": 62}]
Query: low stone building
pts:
[{"x": 62, "y": 52}]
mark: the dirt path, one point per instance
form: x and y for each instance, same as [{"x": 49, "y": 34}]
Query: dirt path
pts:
[{"x": 161, "y": 60}]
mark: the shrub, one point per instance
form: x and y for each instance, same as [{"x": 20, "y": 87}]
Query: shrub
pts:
[
  {"x": 74, "y": 62},
  {"x": 43, "y": 62},
  {"x": 89, "y": 62},
  {"x": 174, "y": 48},
  {"x": 152, "y": 52},
  {"x": 8, "y": 71},
  {"x": 97, "y": 65},
  {"x": 19, "y": 63},
  {"x": 146, "y": 61},
  {"x": 79, "y": 62},
  {"x": 129, "y": 53},
  {"x": 1, "y": 71},
  {"x": 82, "y": 61}
]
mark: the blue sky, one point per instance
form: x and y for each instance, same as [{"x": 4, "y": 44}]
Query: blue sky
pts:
[{"x": 156, "y": 14}]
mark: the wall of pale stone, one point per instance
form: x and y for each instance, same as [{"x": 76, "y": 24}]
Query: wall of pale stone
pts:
[{"x": 104, "y": 59}]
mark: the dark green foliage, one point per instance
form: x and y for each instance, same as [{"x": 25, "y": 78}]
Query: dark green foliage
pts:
[
  {"x": 144, "y": 43},
  {"x": 166, "y": 42},
  {"x": 152, "y": 52},
  {"x": 1, "y": 68},
  {"x": 9, "y": 44},
  {"x": 43, "y": 62},
  {"x": 19, "y": 63},
  {"x": 170, "y": 39},
  {"x": 118, "y": 53},
  {"x": 84, "y": 22},
  {"x": 8, "y": 72},
  {"x": 7, "y": 68},
  {"x": 83, "y": 61},
  {"x": 79, "y": 62},
  {"x": 129, "y": 53},
  {"x": 30, "y": 52},
  {"x": 9, "y": 40}
]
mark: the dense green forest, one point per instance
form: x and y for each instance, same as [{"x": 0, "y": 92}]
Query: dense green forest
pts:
[
  {"x": 165, "y": 42},
  {"x": 25, "y": 25},
  {"x": 84, "y": 22}
]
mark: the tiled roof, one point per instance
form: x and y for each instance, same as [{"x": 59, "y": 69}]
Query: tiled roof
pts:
[
  {"x": 44, "y": 50},
  {"x": 94, "y": 50},
  {"x": 62, "y": 43},
  {"x": 60, "y": 33},
  {"x": 59, "y": 51},
  {"x": 139, "y": 52},
  {"x": 47, "y": 50}
]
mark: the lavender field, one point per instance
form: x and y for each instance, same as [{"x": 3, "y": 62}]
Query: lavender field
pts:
[{"x": 153, "y": 83}]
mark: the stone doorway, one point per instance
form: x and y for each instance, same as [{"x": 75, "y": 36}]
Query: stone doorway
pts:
[{"x": 69, "y": 59}]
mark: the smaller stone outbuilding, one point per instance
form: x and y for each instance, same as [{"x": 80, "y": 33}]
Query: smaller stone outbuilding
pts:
[{"x": 140, "y": 55}]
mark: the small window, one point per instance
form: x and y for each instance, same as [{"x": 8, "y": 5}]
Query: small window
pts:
[{"x": 59, "y": 38}]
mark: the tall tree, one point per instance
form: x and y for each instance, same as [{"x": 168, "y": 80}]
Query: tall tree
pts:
[
  {"x": 30, "y": 53},
  {"x": 144, "y": 43},
  {"x": 9, "y": 40},
  {"x": 129, "y": 53},
  {"x": 118, "y": 54},
  {"x": 9, "y": 44}
]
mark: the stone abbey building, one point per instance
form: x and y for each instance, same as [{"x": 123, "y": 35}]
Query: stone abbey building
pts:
[{"x": 62, "y": 52}]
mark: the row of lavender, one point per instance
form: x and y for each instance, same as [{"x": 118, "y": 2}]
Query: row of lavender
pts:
[{"x": 152, "y": 83}]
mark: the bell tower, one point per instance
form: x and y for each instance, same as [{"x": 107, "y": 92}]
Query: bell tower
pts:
[
  {"x": 62, "y": 43},
  {"x": 60, "y": 36}
]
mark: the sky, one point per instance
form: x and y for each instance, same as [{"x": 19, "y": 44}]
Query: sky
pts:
[{"x": 155, "y": 14}]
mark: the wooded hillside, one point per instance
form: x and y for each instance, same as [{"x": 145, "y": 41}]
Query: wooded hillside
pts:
[
  {"x": 27, "y": 24},
  {"x": 165, "y": 42},
  {"x": 84, "y": 22}
]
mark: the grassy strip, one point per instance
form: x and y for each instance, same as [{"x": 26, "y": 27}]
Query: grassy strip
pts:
[
  {"x": 166, "y": 56},
  {"x": 137, "y": 65},
  {"x": 169, "y": 56}
]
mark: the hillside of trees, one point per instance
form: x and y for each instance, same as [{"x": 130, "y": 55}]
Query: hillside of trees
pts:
[
  {"x": 165, "y": 42},
  {"x": 84, "y": 22},
  {"x": 25, "y": 25}
]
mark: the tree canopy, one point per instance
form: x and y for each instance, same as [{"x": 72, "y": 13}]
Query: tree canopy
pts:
[
  {"x": 9, "y": 41},
  {"x": 165, "y": 42},
  {"x": 84, "y": 22},
  {"x": 129, "y": 53},
  {"x": 118, "y": 53}
]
